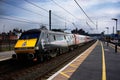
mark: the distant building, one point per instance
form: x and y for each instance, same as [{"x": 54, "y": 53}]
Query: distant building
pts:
[
  {"x": 12, "y": 36},
  {"x": 8, "y": 36}
]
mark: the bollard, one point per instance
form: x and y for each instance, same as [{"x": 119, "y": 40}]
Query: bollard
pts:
[{"x": 115, "y": 48}]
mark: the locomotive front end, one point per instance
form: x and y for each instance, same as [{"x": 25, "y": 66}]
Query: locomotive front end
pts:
[{"x": 26, "y": 46}]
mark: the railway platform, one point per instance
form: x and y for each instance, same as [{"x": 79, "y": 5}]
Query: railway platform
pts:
[
  {"x": 6, "y": 55},
  {"x": 99, "y": 62}
]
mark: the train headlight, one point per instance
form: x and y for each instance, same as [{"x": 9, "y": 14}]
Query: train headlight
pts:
[{"x": 36, "y": 48}]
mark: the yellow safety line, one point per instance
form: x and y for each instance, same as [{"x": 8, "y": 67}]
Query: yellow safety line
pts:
[
  {"x": 69, "y": 71},
  {"x": 103, "y": 64},
  {"x": 73, "y": 65},
  {"x": 64, "y": 74}
]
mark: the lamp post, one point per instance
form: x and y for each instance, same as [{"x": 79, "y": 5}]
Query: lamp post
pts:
[
  {"x": 116, "y": 33},
  {"x": 116, "y": 23}
]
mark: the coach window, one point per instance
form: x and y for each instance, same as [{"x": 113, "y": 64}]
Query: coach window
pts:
[
  {"x": 71, "y": 36},
  {"x": 51, "y": 37},
  {"x": 62, "y": 37},
  {"x": 67, "y": 37},
  {"x": 59, "y": 37}
]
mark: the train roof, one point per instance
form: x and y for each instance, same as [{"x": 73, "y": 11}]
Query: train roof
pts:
[
  {"x": 40, "y": 30},
  {"x": 53, "y": 32},
  {"x": 48, "y": 31},
  {"x": 32, "y": 30}
]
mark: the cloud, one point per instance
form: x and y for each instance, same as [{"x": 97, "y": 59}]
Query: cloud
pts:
[{"x": 97, "y": 10}]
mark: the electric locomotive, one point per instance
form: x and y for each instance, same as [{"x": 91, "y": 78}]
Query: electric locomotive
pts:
[{"x": 36, "y": 44}]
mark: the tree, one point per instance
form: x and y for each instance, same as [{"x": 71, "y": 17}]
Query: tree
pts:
[
  {"x": 43, "y": 27},
  {"x": 80, "y": 31}
]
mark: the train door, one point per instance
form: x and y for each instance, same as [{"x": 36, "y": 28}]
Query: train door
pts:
[
  {"x": 44, "y": 40},
  {"x": 51, "y": 37},
  {"x": 68, "y": 40}
]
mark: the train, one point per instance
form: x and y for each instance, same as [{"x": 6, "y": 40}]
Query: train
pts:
[{"x": 38, "y": 44}]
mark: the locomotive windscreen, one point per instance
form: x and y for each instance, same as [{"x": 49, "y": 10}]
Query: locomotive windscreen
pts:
[{"x": 30, "y": 35}]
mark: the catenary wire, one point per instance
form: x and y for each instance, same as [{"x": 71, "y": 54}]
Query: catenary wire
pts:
[
  {"x": 45, "y": 10},
  {"x": 84, "y": 12},
  {"x": 22, "y": 8}
]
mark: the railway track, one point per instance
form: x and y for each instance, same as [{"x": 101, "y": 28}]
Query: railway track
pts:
[{"x": 11, "y": 70}]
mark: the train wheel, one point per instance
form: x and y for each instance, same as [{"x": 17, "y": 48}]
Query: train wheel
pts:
[
  {"x": 60, "y": 51},
  {"x": 71, "y": 48},
  {"x": 47, "y": 56},
  {"x": 40, "y": 57},
  {"x": 53, "y": 54}
]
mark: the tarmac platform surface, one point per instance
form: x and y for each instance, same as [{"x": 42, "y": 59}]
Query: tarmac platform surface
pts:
[
  {"x": 99, "y": 62},
  {"x": 6, "y": 55}
]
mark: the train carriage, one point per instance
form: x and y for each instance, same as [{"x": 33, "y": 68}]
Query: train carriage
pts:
[{"x": 36, "y": 44}]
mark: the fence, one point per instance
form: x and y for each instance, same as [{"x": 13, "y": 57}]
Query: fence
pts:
[{"x": 7, "y": 45}]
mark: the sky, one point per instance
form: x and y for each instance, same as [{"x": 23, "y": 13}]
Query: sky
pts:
[{"x": 66, "y": 14}]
